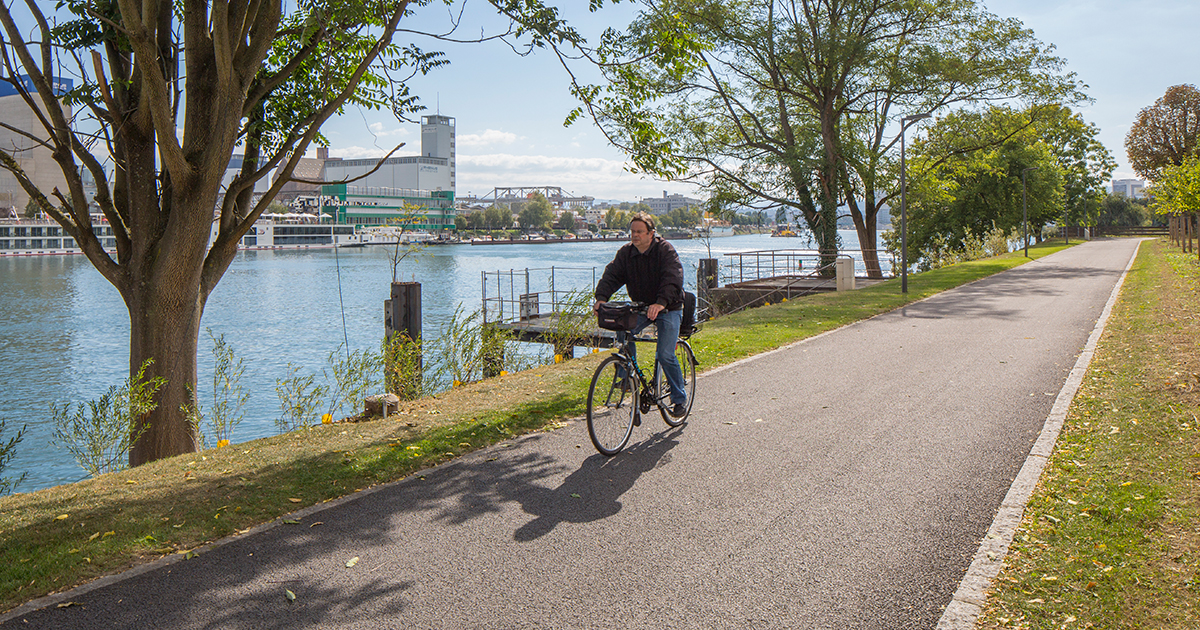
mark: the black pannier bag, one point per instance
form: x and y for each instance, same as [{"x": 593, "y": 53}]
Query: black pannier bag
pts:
[
  {"x": 687, "y": 325},
  {"x": 613, "y": 316}
]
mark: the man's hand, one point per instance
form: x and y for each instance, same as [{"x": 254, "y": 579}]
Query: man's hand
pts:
[
  {"x": 596, "y": 306},
  {"x": 653, "y": 311}
]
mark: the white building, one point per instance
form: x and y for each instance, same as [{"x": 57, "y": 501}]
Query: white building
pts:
[
  {"x": 1131, "y": 188},
  {"x": 36, "y": 161},
  {"x": 668, "y": 203},
  {"x": 433, "y": 170}
]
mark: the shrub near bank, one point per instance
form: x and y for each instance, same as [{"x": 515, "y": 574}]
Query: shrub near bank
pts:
[{"x": 64, "y": 536}]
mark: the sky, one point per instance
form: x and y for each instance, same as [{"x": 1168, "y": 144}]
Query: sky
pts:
[{"x": 509, "y": 110}]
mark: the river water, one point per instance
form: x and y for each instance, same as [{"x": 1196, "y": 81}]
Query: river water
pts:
[{"x": 64, "y": 332}]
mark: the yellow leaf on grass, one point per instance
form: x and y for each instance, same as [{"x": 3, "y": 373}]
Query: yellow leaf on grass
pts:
[
  {"x": 295, "y": 500},
  {"x": 62, "y": 517}
]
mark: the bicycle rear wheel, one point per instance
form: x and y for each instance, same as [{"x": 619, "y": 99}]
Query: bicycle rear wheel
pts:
[
  {"x": 687, "y": 365},
  {"x": 611, "y": 406}
]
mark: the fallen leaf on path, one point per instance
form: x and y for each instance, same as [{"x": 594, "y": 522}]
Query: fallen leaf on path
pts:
[
  {"x": 291, "y": 597},
  {"x": 351, "y": 562}
]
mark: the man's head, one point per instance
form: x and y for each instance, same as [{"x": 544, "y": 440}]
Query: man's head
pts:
[{"x": 641, "y": 231}]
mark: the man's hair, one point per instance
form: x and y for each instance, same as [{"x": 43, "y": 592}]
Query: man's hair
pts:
[{"x": 645, "y": 218}]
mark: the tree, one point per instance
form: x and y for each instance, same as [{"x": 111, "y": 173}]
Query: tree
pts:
[
  {"x": 1121, "y": 210},
  {"x": 793, "y": 105},
  {"x": 566, "y": 220},
  {"x": 1165, "y": 133},
  {"x": 165, "y": 91},
  {"x": 497, "y": 218},
  {"x": 1177, "y": 189},
  {"x": 973, "y": 192},
  {"x": 537, "y": 213},
  {"x": 1085, "y": 163}
]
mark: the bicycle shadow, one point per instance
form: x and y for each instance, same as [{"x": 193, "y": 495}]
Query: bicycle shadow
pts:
[{"x": 593, "y": 492}]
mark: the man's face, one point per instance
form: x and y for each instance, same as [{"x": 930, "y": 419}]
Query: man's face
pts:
[{"x": 639, "y": 235}]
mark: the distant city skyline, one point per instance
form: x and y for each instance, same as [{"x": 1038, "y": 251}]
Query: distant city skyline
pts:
[{"x": 510, "y": 109}]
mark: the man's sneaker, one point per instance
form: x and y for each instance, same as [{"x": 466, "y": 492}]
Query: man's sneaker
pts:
[{"x": 679, "y": 410}]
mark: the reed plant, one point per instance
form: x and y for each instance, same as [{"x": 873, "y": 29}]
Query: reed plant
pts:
[
  {"x": 300, "y": 399},
  {"x": 99, "y": 433},
  {"x": 8, "y": 450},
  {"x": 572, "y": 323},
  {"x": 352, "y": 379},
  {"x": 402, "y": 366},
  {"x": 229, "y": 397}
]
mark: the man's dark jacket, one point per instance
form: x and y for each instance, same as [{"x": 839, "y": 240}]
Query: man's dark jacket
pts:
[{"x": 655, "y": 276}]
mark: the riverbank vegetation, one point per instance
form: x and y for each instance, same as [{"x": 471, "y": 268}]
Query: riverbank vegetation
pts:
[
  {"x": 64, "y": 536},
  {"x": 1111, "y": 536}
]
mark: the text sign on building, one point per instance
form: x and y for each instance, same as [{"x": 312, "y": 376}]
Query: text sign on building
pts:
[{"x": 59, "y": 86}]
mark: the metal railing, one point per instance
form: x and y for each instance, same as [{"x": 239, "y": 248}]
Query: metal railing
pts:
[
  {"x": 780, "y": 263},
  {"x": 519, "y": 294}
]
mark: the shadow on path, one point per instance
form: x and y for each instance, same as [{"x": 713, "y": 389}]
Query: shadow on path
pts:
[{"x": 592, "y": 492}]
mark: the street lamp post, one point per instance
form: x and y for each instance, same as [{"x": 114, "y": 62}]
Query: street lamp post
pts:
[
  {"x": 1025, "y": 208},
  {"x": 904, "y": 123}
]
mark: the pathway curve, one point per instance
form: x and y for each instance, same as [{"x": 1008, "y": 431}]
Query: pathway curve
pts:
[{"x": 842, "y": 482}]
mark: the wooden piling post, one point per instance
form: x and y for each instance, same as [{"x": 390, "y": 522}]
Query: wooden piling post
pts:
[{"x": 402, "y": 318}]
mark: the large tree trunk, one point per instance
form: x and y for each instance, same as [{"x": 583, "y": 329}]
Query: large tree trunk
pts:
[{"x": 164, "y": 327}]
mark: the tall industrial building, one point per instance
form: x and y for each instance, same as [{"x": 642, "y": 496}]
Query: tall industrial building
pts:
[
  {"x": 432, "y": 170},
  {"x": 36, "y": 161},
  {"x": 437, "y": 140}
]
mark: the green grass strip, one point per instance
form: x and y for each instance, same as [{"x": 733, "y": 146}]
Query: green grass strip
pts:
[{"x": 1110, "y": 538}]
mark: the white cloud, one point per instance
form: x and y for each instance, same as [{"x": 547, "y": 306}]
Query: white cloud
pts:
[
  {"x": 596, "y": 177},
  {"x": 488, "y": 137},
  {"x": 380, "y": 131}
]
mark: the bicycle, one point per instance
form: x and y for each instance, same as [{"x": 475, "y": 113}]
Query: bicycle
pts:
[{"x": 620, "y": 392}]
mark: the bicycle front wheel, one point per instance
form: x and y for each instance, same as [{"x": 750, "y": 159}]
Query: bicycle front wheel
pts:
[
  {"x": 687, "y": 365},
  {"x": 611, "y": 406}
]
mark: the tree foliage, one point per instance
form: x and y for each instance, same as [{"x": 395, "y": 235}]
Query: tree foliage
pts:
[
  {"x": 956, "y": 194},
  {"x": 793, "y": 105},
  {"x": 1165, "y": 133},
  {"x": 537, "y": 213},
  {"x": 165, "y": 91},
  {"x": 1177, "y": 189}
]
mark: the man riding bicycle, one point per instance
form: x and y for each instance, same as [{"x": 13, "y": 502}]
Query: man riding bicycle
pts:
[{"x": 649, "y": 268}]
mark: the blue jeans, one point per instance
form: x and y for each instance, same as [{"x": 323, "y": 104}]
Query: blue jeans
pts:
[{"x": 667, "y": 323}]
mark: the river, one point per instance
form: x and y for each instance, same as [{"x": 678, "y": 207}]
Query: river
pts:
[{"x": 64, "y": 332}]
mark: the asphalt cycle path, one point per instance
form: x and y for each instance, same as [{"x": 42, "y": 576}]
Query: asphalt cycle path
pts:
[{"x": 842, "y": 482}]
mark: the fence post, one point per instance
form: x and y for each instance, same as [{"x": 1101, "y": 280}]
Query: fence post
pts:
[{"x": 844, "y": 270}]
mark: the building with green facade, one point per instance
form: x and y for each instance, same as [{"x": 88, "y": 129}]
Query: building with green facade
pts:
[{"x": 429, "y": 210}]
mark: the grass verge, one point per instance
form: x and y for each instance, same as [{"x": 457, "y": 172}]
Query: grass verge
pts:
[
  {"x": 64, "y": 536},
  {"x": 1111, "y": 536}
]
